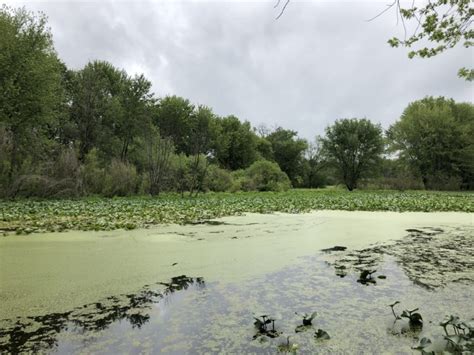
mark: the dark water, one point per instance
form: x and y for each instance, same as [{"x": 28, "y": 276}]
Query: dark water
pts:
[{"x": 190, "y": 315}]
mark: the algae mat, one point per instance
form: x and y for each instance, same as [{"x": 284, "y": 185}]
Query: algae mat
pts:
[{"x": 125, "y": 291}]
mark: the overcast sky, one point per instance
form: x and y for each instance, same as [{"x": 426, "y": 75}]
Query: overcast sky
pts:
[{"x": 320, "y": 61}]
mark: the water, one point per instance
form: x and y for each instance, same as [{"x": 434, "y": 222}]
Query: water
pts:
[{"x": 205, "y": 313}]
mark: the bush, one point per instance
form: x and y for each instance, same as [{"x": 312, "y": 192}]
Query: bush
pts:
[
  {"x": 120, "y": 179},
  {"x": 217, "y": 179},
  {"x": 442, "y": 181},
  {"x": 264, "y": 175},
  {"x": 57, "y": 178},
  {"x": 401, "y": 183},
  {"x": 66, "y": 175},
  {"x": 93, "y": 175}
]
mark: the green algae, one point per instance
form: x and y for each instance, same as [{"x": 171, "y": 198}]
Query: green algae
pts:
[
  {"x": 275, "y": 266},
  {"x": 94, "y": 214},
  {"x": 53, "y": 271}
]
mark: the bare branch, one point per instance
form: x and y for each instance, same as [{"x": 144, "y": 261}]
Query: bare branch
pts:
[
  {"x": 403, "y": 21},
  {"x": 389, "y": 6},
  {"x": 283, "y": 9}
]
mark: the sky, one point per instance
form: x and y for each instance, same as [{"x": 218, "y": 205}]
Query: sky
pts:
[{"x": 320, "y": 61}]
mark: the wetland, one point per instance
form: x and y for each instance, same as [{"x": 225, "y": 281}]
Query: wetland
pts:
[{"x": 200, "y": 287}]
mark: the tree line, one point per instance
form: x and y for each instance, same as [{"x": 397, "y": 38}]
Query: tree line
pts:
[{"x": 100, "y": 131}]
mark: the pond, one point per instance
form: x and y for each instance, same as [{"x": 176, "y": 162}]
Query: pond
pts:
[{"x": 198, "y": 288}]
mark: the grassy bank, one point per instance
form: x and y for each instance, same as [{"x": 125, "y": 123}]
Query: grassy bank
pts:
[{"x": 27, "y": 216}]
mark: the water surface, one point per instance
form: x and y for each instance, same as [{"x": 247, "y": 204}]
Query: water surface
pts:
[{"x": 179, "y": 289}]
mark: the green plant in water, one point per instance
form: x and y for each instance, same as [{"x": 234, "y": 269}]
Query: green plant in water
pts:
[
  {"x": 461, "y": 337},
  {"x": 307, "y": 322},
  {"x": 263, "y": 328},
  {"x": 322, "y": 335},
  {"x": 393, "y": 311},
  {"x": 288, "y": 347},
  {"x": 365, "y": 277},
  {"x": 415, "y": 320},
  {"x": 422, "y": 344}
]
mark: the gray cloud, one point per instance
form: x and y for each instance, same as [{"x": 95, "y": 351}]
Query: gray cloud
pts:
[{"x": 321, "y": 61}]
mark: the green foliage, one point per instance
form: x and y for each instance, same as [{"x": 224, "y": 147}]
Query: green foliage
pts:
[
  {"x": 173, "y": 118},
  {"x": 460, "y": 336},
  {"x": 106, "y": 214},
  {"x": 120, "y": 179},
  {"x": 159, "y": 153},
  {"x": 218, "y": 180},
  {"x": 288, "y": 152},
  {"x": 236, "y": 146},
  {"x": 92, "y": 173},
  {"x": 264, "y": 175},
  {"x": 315, "y": 167},
  {"x": 30, "y": 86},
  {"x": 439, "y": 25},
  {"x": 435, "y": 136},
  {"x": 71, "y": 133},
  {"x": 354, "y": 146}
]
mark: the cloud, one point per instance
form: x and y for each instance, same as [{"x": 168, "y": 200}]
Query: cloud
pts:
[{"x": 320, "y": 61}]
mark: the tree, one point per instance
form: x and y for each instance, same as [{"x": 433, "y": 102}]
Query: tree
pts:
[
  {"x": 30, "y": 86},
  {"x": 441, "y": 23},
  {"x": 435, "y": 137},
  {"x": 159, "y": 152},
  {"x": 136, "y": 101},
  {"x": 354, "y": 146},
  {"x": 315, "y": 162},
  {"x": 173, "y": 119},
  {"x": 202, "y": 135},
  {"x": 236, "y": 146},
  {"x": 288, "y": 152},
  {"x": 96, "y": 105}
]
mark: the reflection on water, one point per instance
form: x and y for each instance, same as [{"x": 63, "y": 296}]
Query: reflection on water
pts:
[
  {"x": 38, "y": 333},
  {"x": 187, "y": 315}
]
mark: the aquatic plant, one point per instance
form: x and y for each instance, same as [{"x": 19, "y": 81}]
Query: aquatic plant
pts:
[
  {"x": 31, "y": 216},
  {"x": 308, "y": 319},
  {"x": 322, "y": 335},
  {"x": 288, "y": 347},
  {"x": 415, "y": 320},
  {"x": 365, "y": 277},
  {"x": 307, "y": 322},
  {"x": 262, "y": 329},
  {"x": 393, "y": 311},
  {"x": 422, "y": 344},
  {"x": 461, "y": 339}
]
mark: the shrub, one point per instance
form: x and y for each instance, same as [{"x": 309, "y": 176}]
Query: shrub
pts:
[
  {"x": 93, "y": 175},
  {"x": 218, "y": 179},
  {"x": 57, "y": 178},
  {"x": 443, "y": 181},
  {"x": 65, "y": 174},
  {"x": 264, "y": 175},
  {"x": 401, "y": 183},
  {"x": 120, "y": 179}
]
